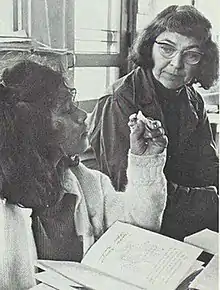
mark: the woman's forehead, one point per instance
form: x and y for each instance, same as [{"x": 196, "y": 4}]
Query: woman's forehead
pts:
[{"x": 179, "y": 40}]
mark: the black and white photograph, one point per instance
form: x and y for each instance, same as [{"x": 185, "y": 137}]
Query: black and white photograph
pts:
[{"x": 109, "y": 144}]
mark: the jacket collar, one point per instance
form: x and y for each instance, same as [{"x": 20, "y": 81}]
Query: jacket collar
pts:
[{"x": 144, "y": 94}]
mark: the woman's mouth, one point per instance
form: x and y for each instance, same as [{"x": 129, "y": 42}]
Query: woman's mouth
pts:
[{"x": 171, "y": 75}]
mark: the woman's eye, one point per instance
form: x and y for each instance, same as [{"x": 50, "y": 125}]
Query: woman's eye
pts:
[
  {"x": 71, "y": 109},
  {"x": 168, "y": 49},
  {"x": 67, "y": 110}
]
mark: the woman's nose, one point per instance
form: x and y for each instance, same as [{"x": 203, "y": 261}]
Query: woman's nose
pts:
[
  {"x": 177, "y": 61},
  {"x": 81, "y": 116}
]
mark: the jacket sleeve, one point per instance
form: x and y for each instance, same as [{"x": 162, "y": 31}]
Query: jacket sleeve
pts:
[
  {"x": 207, "y": 167},
  {"x": 109, "y": 137},
  {"x": 198, "y": 157},
  {"x": 144, "y": 200}
]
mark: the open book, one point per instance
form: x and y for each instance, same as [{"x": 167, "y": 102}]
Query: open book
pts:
[{"x": 126, "y": 258}]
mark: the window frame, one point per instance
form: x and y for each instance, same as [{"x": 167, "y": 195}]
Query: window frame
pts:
[
  {"x": 118, "y": 60},
  {"x": 110, "y": 60}
]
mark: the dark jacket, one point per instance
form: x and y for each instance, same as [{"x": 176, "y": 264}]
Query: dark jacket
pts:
[{"x": 193, "y": 164}]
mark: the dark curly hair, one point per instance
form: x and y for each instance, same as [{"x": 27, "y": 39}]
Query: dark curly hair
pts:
[
  {"x": 185, "y": 20},
  {"x": 28, "y": 93}
]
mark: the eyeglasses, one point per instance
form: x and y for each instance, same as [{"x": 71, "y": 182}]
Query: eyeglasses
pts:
[{"x": 168, "y": 51}]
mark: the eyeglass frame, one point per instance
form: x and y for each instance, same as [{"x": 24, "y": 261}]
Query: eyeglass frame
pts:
[{"x": 177, "y": 50}]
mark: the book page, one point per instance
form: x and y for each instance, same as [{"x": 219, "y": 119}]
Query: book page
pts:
[
  {"x": 42, "y": 287},
  {"x": 197, "y": 266},
  {"x": 206, "y": 239},
  {"x": 141, "y": 257},
  {"x": 87, "y": 276},
  {"x": 190, "y": 276},
  {"x": 208, "y": 279},
  {"x": 56, "y": 280}
]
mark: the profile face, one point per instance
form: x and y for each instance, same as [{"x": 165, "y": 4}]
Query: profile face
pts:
[
  {"x": 69, "y": 121},
  {"x": 176, "y": 58}
]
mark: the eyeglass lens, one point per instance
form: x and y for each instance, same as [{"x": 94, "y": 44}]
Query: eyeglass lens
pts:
[{"x": 168, "y": 51}]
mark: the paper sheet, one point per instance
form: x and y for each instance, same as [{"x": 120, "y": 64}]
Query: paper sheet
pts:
[
  {"x": 197, "y": 266},
  {"x": 90, "y": 278},
  {"x": 208, "y": 279},
  {"x": 190, "y": 276},
  {"x": 206, "y": 239},
  {"x": 55, "y": 280},
  {"x": 42, "y": 287}
]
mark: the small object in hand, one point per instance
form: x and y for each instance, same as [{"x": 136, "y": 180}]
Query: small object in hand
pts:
[
  {"x": 149, "y": 122},
  {"x": 151, "y": 126}
]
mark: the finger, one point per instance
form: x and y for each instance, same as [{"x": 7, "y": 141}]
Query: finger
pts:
[
  {"x": 132, "y": 120},
  {"x": 153, "y": 133},
  {"x": 158, "y": 132},
  {"x": 132, "y": 117},
  {"x": 161, "y": 141},
  {"x": 154, "y": 124}
]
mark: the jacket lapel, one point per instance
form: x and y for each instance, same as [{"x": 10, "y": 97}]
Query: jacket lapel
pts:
[
  {"x": 188, "y": 116},
  {"x": 145, "y": 96}
]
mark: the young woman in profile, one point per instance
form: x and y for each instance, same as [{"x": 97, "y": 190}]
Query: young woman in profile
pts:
[{"x": 46, "y": 191}]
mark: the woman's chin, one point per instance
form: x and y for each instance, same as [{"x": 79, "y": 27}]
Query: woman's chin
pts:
[
  {"x": 83, "y": 144},
  {"x": 79, "y": 147}
]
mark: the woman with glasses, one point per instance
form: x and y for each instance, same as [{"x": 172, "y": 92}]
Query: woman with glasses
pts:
[
  {"x": 44, "y": 187},
  {"x": 171, "y": 54}
]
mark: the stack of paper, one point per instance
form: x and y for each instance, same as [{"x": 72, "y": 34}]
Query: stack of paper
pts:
[{"x": 208, "y": 279}]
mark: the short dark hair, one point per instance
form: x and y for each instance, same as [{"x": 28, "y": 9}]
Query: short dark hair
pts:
[{"x": 185, "y": 20}]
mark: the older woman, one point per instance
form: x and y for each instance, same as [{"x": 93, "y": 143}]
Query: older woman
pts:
[
  {"x": 68, "y": 205},
  {"x": 171, "y": 54}
]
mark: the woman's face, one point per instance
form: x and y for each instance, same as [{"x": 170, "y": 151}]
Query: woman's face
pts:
[
  {"x": 176, "y": 71},
  {"x": 69, "y": 123}
]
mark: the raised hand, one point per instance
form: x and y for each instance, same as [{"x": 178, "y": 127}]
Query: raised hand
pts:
[{"x": 147, "y": 136}]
